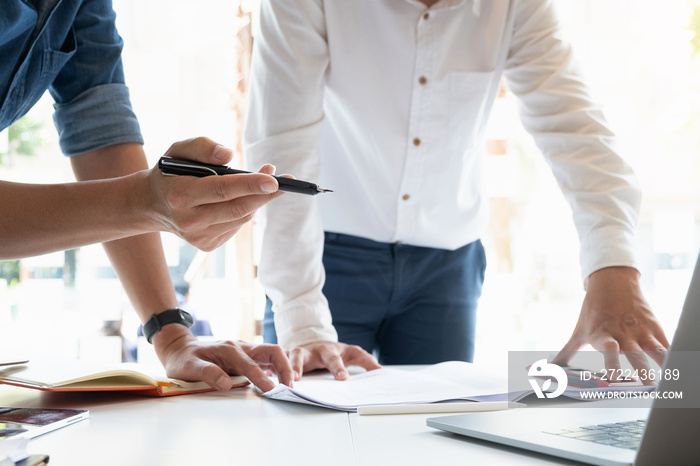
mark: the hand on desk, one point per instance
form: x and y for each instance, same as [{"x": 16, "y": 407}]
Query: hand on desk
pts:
[
  {"x": 615, "y": 317},
  {"x": 207, "y": 212},
  {"x": 332, "y": 356},
  {"x": 186, "y": 358}
]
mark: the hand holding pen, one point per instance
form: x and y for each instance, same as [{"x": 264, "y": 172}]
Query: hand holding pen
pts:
[{"x": 208, "y": 211}]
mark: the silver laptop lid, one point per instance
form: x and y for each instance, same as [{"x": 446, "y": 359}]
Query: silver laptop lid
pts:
[{"x": 671, "y": 436}]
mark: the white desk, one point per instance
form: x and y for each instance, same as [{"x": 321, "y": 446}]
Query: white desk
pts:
[{"x": 241, "y": 428}]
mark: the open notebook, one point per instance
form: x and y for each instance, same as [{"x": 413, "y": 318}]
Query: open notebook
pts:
[{"x": 75, "y": 375}]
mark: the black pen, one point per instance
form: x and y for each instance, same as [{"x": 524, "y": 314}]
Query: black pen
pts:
[{"x": 172, "y": 166}]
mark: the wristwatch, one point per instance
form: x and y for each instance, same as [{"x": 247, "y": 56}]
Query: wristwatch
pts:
[{"x": 171, "y": 316}]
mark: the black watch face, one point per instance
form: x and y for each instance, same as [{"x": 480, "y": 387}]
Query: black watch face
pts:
[{"x": 186, "y": 318}]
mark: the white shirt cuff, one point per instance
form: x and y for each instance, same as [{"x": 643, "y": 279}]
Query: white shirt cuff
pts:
[
  {"x": 301, "y": 325},
  {"x": 608, "y": 247}
]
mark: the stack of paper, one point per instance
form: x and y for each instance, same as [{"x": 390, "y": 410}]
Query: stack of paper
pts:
[{"x": 439, "y": 383}]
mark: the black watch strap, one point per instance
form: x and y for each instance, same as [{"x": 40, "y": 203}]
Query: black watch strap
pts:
[{"x": 171, "y": 316}]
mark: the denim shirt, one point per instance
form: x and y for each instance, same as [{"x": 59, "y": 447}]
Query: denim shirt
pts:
[{"x": 71, "y": 48}]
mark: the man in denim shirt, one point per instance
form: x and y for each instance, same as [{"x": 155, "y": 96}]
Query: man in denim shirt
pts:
[{"x": 72, "y": 48}]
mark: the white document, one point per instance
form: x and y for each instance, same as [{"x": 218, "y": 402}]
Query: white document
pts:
[{"x": 444, "y": 382}]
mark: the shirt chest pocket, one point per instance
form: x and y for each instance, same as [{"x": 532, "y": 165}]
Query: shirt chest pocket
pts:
[
  {"x": 50, "y": 63},
  {"x": 35, "y": 75},
  {"x": 55, "y": 60},
  {"x": 470, "y": 95}
]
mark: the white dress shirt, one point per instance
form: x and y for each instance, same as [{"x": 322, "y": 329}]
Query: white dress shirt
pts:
[{"x": 386, "y": 102}]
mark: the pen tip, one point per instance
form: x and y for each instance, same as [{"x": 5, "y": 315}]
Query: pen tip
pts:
[{"x": 323, "y": 190}]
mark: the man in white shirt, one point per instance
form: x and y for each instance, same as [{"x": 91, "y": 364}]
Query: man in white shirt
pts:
[{"x": 385, "y": 102}]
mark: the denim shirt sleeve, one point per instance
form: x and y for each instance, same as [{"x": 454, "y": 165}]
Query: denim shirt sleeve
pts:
[
  {"x": 93, "y": 108},
  {"x": 98, "y": 117}
]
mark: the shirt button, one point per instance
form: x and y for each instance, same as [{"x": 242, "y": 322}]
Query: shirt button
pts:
[
  {"x": 423, "y": 80},
  {"x": 405, "y": 197},
  {"x": 426, "y": 16},
  {"x": 416, "y": 142}
]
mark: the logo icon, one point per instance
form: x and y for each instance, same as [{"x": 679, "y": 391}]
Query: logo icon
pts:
[{"x": 544, "y": 370}]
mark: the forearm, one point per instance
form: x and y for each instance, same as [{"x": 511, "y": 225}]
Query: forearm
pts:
[
  {"x": 38, "y": 219},
  {"x": 142, "y": 270},
  {"x": 138, "y": 260},
  {"x": 141, "y": 267}
]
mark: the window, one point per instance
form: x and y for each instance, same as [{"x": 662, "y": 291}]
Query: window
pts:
[
  {"x": 649, "y": 88},
  {"x": 187, "y": 67}
]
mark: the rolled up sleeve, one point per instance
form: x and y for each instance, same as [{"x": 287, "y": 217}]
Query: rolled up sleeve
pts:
[
  {"x": 93, "y": 108},
  {"x": 98, "y": 117}
]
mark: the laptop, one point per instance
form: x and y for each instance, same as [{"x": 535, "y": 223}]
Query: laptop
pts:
[{"x": 659, "y": 434}]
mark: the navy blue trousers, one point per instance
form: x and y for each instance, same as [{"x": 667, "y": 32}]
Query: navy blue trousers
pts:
[{"x": 405, "y": 304}]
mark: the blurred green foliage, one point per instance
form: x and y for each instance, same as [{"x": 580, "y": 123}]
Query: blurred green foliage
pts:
[
  {"x": 9, "y": 270},
  {"x": 24, "y": 137}
]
